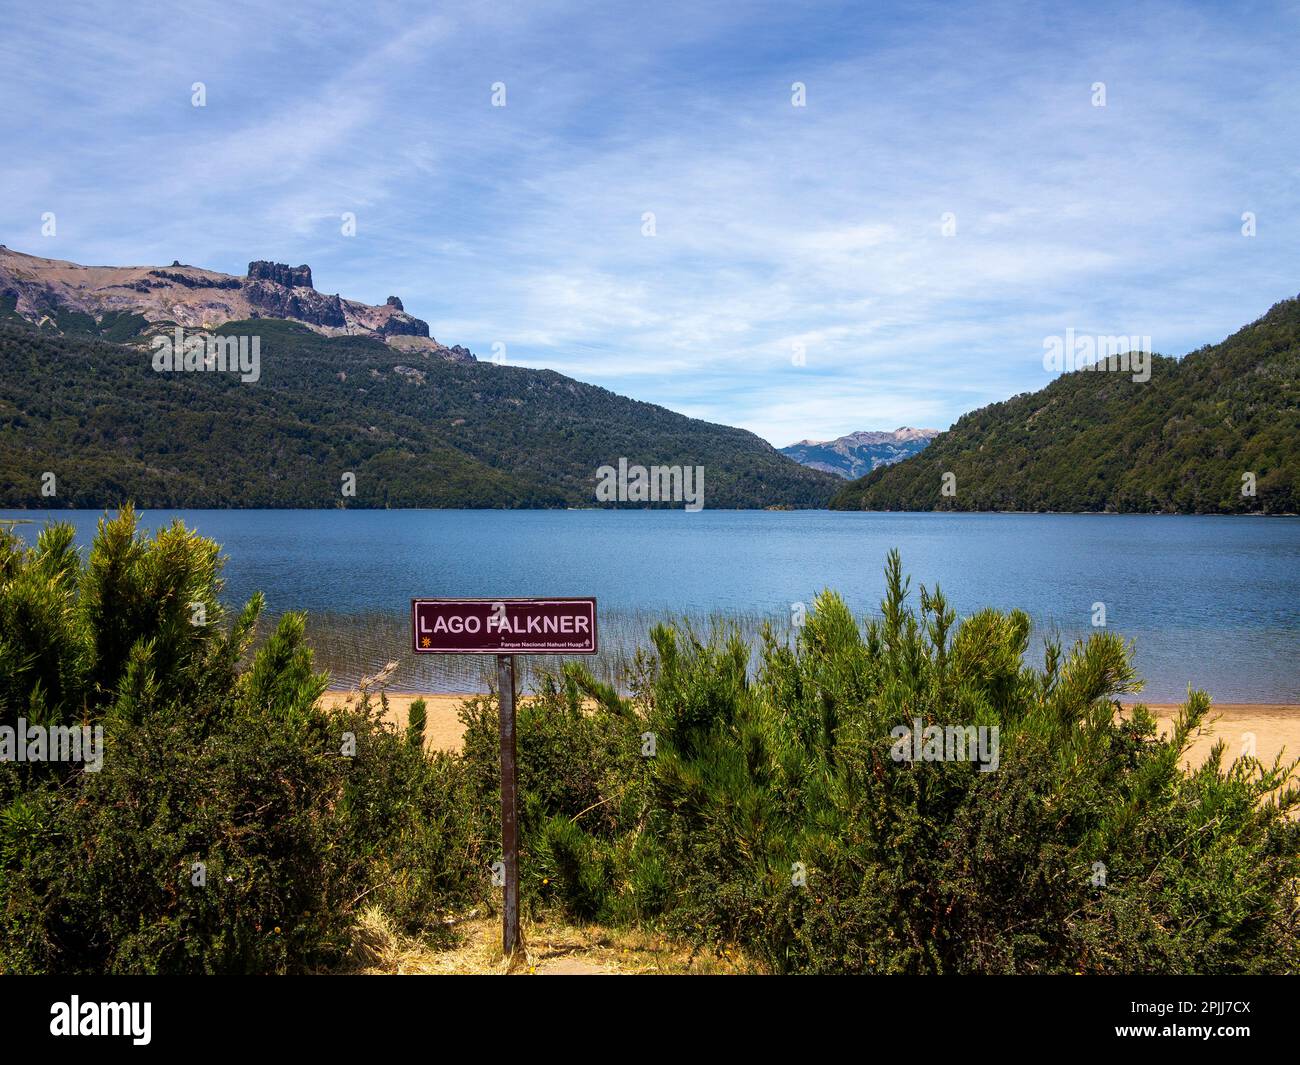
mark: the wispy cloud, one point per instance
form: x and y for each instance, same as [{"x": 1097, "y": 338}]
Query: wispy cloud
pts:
[{"x": 779, "y": 230}]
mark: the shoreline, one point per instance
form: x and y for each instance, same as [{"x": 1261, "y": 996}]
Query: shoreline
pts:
[
  {"x": 775, "y": 508},
  {"x": 1275, "y": 725}
]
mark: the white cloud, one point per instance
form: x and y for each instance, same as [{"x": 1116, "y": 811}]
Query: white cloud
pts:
[{"x": 775, "y": 225}]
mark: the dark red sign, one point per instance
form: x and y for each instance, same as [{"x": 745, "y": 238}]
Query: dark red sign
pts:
[{"x": 504, "y": 626}]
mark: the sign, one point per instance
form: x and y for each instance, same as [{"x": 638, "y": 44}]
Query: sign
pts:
[{"x": 504, "y": 626}]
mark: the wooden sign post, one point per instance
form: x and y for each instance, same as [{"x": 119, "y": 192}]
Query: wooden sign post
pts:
[
  {"x": 509, "y": 809},
  {"x": 505, "y": 628}
]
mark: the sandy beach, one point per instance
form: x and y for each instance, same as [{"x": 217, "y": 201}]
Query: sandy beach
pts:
[
  {"x": 1274, "y": 725},
  {"x": 442, "y": 731}
]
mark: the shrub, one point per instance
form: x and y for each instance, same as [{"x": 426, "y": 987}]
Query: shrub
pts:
[
  {"x": 936, "y": 866},
  {"x": 416, "y": 721},
  {"x": 236, "y": 827},
  {"x": 775, "y": 817},
  {"x": 233, "y": 826},
  {"x": 405, "y": 834},
  {"x": 582, "y": 787}
]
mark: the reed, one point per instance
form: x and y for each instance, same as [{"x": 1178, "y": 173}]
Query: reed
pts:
[{"x": 350, "y": 646}]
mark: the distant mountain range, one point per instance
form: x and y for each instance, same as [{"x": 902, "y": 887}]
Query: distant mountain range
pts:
[
  {"x": 1217, "y": 432},
  {"x": 343, "y": 388},
  {"x": 346, "y": 389},
  {"x": 859, "y": 453}
]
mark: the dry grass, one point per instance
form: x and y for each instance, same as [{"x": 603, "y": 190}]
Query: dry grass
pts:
[{"x": 549, "y": 949}]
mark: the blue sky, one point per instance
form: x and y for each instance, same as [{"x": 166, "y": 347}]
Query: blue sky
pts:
[{"x": 775, "y": 225}]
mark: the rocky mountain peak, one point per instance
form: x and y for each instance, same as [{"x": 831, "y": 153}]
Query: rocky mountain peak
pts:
[
  {"x": 859, "y": 453},
  {"x": 280, "y": 273},
  {"x": 195, "y": 297}
]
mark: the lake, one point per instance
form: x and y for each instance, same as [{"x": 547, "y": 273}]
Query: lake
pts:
[{"x": 1211, "y": 601}]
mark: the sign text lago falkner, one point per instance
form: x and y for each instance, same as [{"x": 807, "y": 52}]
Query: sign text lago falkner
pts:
[{"x": 504, "y": 626}]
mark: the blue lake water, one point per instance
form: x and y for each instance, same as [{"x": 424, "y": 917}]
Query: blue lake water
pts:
[{"x": 1214, "y": 602}]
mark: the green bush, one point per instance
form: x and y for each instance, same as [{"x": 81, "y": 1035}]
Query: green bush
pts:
[
  {"x": 774, "y": 816},
  {"x": 582, "y": 787},
  {"x": 404, "y": 830},
  {"x": 416, "y": 721},
  {"x": 236, "y": 827},
  {"x": 233, "y": 826}
]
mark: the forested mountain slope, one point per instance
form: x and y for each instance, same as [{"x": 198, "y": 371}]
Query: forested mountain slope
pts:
[{"x": 1181, "y": 442}]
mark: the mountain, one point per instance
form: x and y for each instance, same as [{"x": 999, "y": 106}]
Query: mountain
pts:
[
  {"x": 859, "y": 453},
  {"x": 417, "y": 426},
  {"x": 119, "y": 302},
  {"x": 1188, "y": 440}
]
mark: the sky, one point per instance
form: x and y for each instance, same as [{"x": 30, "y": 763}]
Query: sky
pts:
[{"x": 653, "y": 211}]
